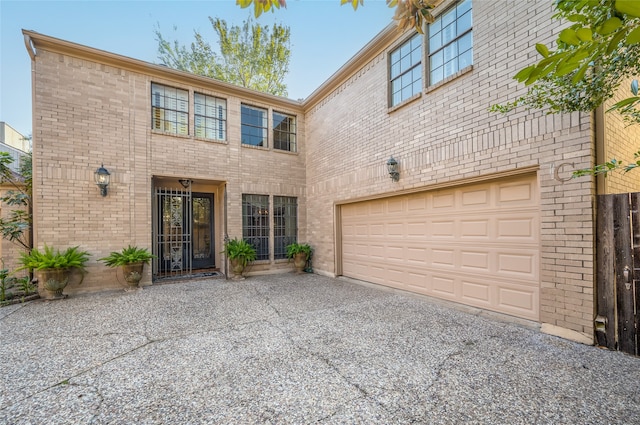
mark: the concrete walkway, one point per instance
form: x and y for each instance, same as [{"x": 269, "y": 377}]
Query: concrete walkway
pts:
[{"x": 296, "y": 349}]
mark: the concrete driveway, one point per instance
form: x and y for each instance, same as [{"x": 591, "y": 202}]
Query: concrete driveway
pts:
[{"x": 296, "y": 349}]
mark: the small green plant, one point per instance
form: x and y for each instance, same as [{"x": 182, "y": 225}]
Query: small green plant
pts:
[
  {"x": 241, "y": 250},
  {"x": 25, "y": 285},
  {"x": 4, "y": 284},
  {"x": 298, "y": 248},
  {"x": 128, "y": 255},
  {"x": 49, "y": 258}
]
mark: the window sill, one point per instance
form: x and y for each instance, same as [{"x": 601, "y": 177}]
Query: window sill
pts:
[
  {"x": 404, "y": 103},
  {"x": 166, "y": 133},
  {"x": 285, "y": 152},
  {"x": 450, "y": 78},
  {"x": 215, "y": 141},
  {"x": 260, "y": 148}
]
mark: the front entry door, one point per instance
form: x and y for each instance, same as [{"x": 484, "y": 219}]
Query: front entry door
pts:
[{"x": 202, "y": 230}]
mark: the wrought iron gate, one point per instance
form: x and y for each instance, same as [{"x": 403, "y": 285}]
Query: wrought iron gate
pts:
[
  {"x": 172, "y": 230},
  {"x": 618, "y": 276}
]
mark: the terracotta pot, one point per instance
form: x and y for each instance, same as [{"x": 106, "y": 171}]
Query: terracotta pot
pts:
[
  {"x": 300, "y": 261},
  {"x": 133, "y": 273},
  {"x": 51, "y": 282},
  {"x": 237, "y": 268}
]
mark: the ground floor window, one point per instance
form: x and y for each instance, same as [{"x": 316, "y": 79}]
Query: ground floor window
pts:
[
  {"x": 257, "y": 226},
  {"x": 285, "y": 224},
  {"x": 255, "y": 223}
]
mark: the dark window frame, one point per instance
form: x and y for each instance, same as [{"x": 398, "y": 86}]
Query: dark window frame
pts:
[
  {"x": 285, "y": 224},
  {"x": 164, "y": 106},
  {"x": 284, "y": 138},
  {"x": 255, "y": 223},
  {"x": 249, "y": 130}
]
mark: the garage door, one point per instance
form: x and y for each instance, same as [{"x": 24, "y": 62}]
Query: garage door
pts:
[{"x": 475, "y": 244}]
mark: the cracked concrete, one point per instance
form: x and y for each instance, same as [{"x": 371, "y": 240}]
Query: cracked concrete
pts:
[{"x": 296, "y": 349}]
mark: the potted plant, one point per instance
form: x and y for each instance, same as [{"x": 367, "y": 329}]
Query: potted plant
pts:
[
  {"x": 300, "y": 253},
  {"x": 240, "y": 253},
  {"x": 54, "y": 268},
  {"x": 131, "y": 261}
]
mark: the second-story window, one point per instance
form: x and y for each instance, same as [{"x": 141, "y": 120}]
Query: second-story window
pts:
[
  {"x": 254, "y": 126},
  {"x": 284, "y": 132},
  {"x": 210, "y": 117},
  {"x": 450, "y": 42},
  {"x": 406, "y": 70},
  {"x": 169, "y": 109}
]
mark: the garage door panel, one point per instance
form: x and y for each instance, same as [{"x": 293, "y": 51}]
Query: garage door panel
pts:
[
  {"x": 474, "y": 229},
  {"x": 475, "y": 261},
  {"x": 443, "y": 229},
  {"x": 444, "y": 286},
  {"x": 477, "y": 244},
  {"x": 476, "y": 293},
  {"x": 475, "y": 198},
  {"x": 443, "y": 257}
]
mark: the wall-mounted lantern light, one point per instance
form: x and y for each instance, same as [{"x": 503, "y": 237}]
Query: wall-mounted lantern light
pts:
[
  {"x": 102, "y": 177},
  {"x": 393, "y": 169}
]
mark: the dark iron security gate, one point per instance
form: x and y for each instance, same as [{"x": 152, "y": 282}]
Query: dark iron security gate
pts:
[{"x": 172, "y": 230}]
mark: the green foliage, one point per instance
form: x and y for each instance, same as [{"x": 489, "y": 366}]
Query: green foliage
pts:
[
  {"x": 251, "y": 55},
  {"x": 409, "y": 13},
  {"x": 16, "y": 226},
  {"x": 597, "y": 52},
  {"x": 128, "y": 255},
  {"x": 72, "y": 257},
  {"x": 297, "y": 248},
  {"x": 239, "y": 249}
]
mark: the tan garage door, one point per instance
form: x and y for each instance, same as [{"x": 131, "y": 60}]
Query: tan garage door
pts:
[{"x": 475, "y": 244}]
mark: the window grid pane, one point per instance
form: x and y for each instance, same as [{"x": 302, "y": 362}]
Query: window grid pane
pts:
[
  {"x": 169, "y": 109},
  {"x": 254, "y": 126},
  {"x": 255, "y": 223},
  {"x": 285, "y": 224},
  {"x": 405, "y": 61},
  {"x": 450, "y": 42},
  {"x": 284, "y": 132},
  {"x": 210, "y": 115}
]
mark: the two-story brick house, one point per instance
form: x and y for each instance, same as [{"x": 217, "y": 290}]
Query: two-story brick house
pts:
[{"x": 482, "y": 211}]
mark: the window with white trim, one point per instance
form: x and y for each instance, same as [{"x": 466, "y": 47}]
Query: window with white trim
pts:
[
  {"x": 450, "y": 42},
  {"x": 254, "y": 126},
  {"x": 169, "y": 109},
  {"x": 210, "y": 117},
  {"x": 406, "y": 70}
]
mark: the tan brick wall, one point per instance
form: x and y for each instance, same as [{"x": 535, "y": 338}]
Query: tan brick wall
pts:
[
  {"x": 448, "y": 135},
  {"x": 88, "y": 113},
  {"x": 621, "y": 142}
]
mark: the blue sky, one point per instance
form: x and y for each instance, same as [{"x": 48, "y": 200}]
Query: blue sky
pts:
[{"x": 324, "y": 35}]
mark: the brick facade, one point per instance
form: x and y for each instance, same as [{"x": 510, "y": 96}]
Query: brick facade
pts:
[{"x": 92, "y": 107}]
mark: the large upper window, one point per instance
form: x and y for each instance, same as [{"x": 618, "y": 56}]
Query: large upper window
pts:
[
  {"x": 255, "y": 223},
  {"x": 450, "y": 42},
  {"x": 210, "y": 115},
  {"x": 169, "y": 109},
  {"x": 285, "y": 224},
  {"x": 254, "y": 126},
  {"x": 284, "y": 132},
  {"x": 406, "y": 70}
]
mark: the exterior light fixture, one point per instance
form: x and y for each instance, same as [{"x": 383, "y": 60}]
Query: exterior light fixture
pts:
[
  {"x": 102, "y": 177},
  {"x": 185, "y": 183},
  {"x": 393, "y": 169}
]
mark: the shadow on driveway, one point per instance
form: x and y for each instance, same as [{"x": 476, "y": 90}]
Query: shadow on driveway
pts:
[{"x": 296, "y": 349}]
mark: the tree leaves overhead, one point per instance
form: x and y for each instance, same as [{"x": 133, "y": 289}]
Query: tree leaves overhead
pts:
[
  {"x": 594, "y": 54},
  {"x": 251, "y": 55},
  {"x": 409, "y": 13}
]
